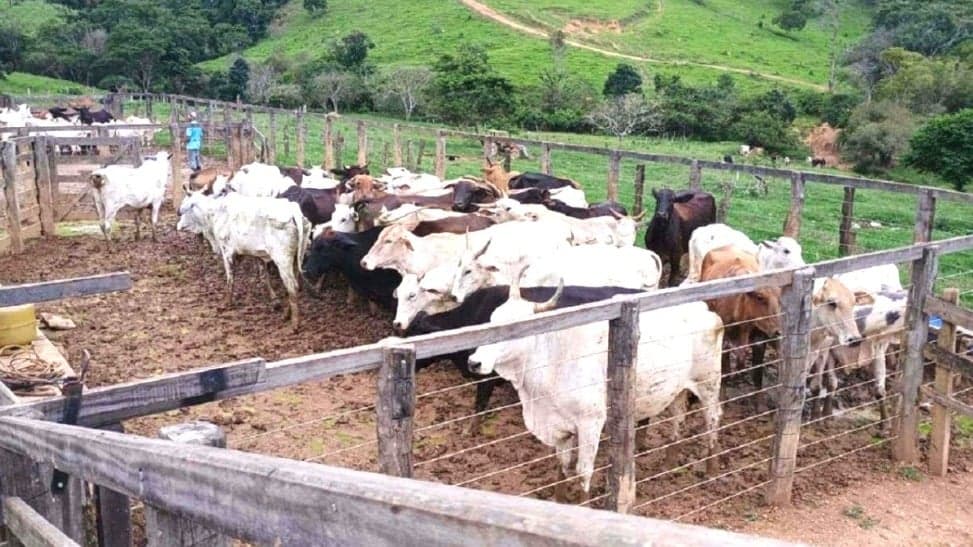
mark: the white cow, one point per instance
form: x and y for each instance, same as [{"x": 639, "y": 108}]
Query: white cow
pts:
[
  {"x": 619, "y": 232},
  {"x": 259, "y": 180},
  {"x": 118, "y": 186},
  {"x": 399, "y": 180},
  {"x": 782, "y": 253},
  {"x": 560, "y": 376},
  {"x": 273, "y": 230}
]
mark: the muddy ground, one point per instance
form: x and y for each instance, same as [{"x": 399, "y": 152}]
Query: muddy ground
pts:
[{"x": 176, "y": 318}]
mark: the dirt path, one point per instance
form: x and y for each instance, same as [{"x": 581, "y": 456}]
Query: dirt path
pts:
[
  {"x": 493, "y": 15},
  {"x": 894, "y": 511}
]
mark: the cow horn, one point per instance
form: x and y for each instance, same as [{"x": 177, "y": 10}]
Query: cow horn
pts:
[
  {"x": 515, "y": 283},
  {"x": 616, "y": 214},
  {"x": 640, "y": 216},
  {"x": 551, "y": 303},
  {"x": 483, "y": 250}
]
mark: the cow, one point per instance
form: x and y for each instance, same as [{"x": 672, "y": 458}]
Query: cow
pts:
[
  {"x": 832, "y": 324},
  {"x": 270, "y": 229},
  {"x": 467, "y": 193},
  {"x": 453, "y": 225},
  {"x": 743, "y": 314},
  {"x": 619, "y": 231},
  {"x": 508, "y": 181},
  {"x": 560, "y": 376},
  {"x": 118, "y": 186},
  {"x": 316, "y": 204},
  {"x": 778, "y": 254},
  {"x": 205, "y": 179},
  {"x": 603, "y": 209},
  {"x": 342, "y": 252},
  {"x": 87, "y": 117},
  {"x": 677, "y": 215},
  {"x": 817, "y": 162},
  {"x": 346, "y": 173},
  {"x": 727, "y": 158}
]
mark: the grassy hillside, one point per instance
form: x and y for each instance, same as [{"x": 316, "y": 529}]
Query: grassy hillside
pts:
[
  {"x": 426, "y": 30},
  {"x": 20, "y": 83},
  {"x": 29, "y": 15},
  {"x": 718, "y": 32}
]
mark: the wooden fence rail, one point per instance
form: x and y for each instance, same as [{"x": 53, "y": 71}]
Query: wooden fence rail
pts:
[{"x": 271, "y": 500}]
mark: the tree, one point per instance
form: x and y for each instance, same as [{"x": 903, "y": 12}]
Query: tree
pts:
[
  {"x": 466, "y": 90},
  {"x": 12, "y": 46},
  {"x": 316, "y": 6},
  {"x": 263, "y": 80},
  {"x": 331, "y": 88},
  {"x": 623, "y": 81},
  {"x": 622, "y": 116},
  {"x": 761, "y": 128},
  {"x": 925, "y": 85},
  {"x": 238, "y": 78},
  {"x": 944, "y": 146},
  {"x": 877, "y": 134},
  {"x": 407, "y": 86},
  {"x": 791, "y": 20},
  {"x": 351, "y": 52}
]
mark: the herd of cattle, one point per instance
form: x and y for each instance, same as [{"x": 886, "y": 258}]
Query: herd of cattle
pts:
[
  {"x": 505, "y": 246},
  {"x": 55, "y": 121}
]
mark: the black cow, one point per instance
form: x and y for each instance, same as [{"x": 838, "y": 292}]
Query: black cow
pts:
[
  {"x": 61, "y": 112},
  {"x": 533, "y": 196},
  {"x": 342, "y": 252},
  {"x": 317, "y": 204},
  {"x": 727, "y": 158},
  {"x": 603, "y": 209},
  {"x": 819, "y": 162},
  {"x": 99, "y": 116},
  {"x": 677, "y": 215},
  {"x": 467, "y": 193},
  {"x": 476, "y": 310},
  {"x": 539, "y": 180},
  {"x": 347, "y": 172}
]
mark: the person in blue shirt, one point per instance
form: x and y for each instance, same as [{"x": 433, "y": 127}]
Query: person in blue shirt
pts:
[{"x": 194, "y": 142}]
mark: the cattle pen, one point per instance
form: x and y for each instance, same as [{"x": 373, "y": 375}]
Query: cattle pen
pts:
[{"x": 769, "y": 446}]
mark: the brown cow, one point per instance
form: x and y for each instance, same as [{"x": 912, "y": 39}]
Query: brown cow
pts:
[
  {"x": 744, "y": 315},
  {"x": 453, "y": 225},
  {"x": 204, "y": 178},
  {"x": 676, "y": 216}
]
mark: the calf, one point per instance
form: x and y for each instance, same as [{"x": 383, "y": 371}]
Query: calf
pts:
[
  {"x": 342, "y": 252},
  {"x": 676, "y": 216},
  {"x": 118, "y": 186},
  {"x": 832, "y": 324}
]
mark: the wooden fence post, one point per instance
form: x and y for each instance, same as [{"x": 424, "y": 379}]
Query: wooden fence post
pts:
[
  {"x": 546, "y": 167},
  {"x": 394, "y": 409},
  {"x": 796, "y": 303},
  {"x": 846, "y": 232},
  {"x": 408, "y": 155},
  {"x": 623, "y": 349},
  {"x": 638, "y": 201},
  {"x": 487, "y": 148},
  {"x": 942, "y": 420},
  {"x": 329, "y": 141},
  {"x": 614, "y": 166},
  {"x": 42, "y": 177},
  {"x": 210, "y": 122},
  {"x": 925, "y": 213},
  {"x": 177, "y": 162},
  {"x": 792, "y": 225},
  {"x": 906, "y": 447},
  {"x": 272, "y": 139},
  {"x": 419, "y": 151},
  {"x": 440, "y": 163},
  {"x": 362, "y": 143},
  {"x": 114, "y": 520},
  {"x": 299, "y": 127},
  {"x": 9, "y": 161},
  {"x": 228, "y": 136},
  {"x": 163, "y": 529},
  {"x": 396, "y": 145},
  {"x": 695, "y": 176}
]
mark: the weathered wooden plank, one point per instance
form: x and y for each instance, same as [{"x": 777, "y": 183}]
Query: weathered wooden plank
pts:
[
  {"x": 796, "y": 305},
  {"x": 113, "y": 519},
  {"x": 637, "y": 203},
  {"x": 396, "y": 145},
  {"x": 177, "y": 161},
  {"x": 363, "y": 143},
  {"x": 614, "y": 167},
  {"x": 623, "y": 350},
  {"x": 906, "y": 447},
  {"x": 45, "y": 291},
  {"x": 394, "y": 409},
  {"x": 925, "y": 212},
  {"x": 301, "y": 135},
  {"x": 272, "y": 500},
  {"x": 695, "y": 176},
  {"x": 947, "y": 403},
  {"x": 846, "y": 232},
  {"x": 949, "y": 311},
  {"x": 546, "y": 167},
  {"x": 439, "y": 165},
  {"x": 9, "y": 167},
  {"x": 165, "y": 529},
  {"x": 955, "y": 362},
  {"x": 30, "y": 479},
  {"x": 42, "y": 179},
  {"x": 92, "y": 141},
  {"x": 30, "y": 528},
  {"x": 329, "y": 162},
  {"x": 955, "y": 244},
  {"x": 941, "y": 419},
  {"x": 867, "y": 260},
  {"x": 792, "y": 224}
]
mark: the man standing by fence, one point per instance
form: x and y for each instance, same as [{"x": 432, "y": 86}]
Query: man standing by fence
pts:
[{"x": 194, "y": 142}]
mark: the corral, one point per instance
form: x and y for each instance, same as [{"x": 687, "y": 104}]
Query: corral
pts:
[{"x": 331, "y": 407}]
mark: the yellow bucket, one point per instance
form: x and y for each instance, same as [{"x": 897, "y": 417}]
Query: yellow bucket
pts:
[{"x": 18, "y": 325}]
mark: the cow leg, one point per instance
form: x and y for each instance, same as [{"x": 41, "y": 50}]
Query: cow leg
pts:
[
  {"x": 879, "y": 372},
  {"x": 588, "y": 438},
  {"x": 228, "y": 267},
  {"x": 832, "y": 386},
  {"x": 709, "y": 396},
  {"x": 678, "y": 409},
  {"x": 759, "y": 355},
  {"x": 270, "y": 285},
  {"x": 484, "y": 390},
  {"x": 138, "y": 224},
  {"x": 289, "y": 279},
  {"x": 155, "y": 220},
  {"x": 565, "y": 454}
]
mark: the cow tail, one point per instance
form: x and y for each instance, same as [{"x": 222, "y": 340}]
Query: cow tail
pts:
[
  {"x": 97, "y": 183},
  {"x": 658, "y": 267},
  {"x": 302, "y": 244}
]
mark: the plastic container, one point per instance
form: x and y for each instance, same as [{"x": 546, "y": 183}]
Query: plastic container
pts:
[{"x": 18, "y": 325}]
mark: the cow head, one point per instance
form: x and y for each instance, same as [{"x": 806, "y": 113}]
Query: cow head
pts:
[
  {"x": 391, "y": 249},
  {"x": 764, "y": 305},
  {"x": 193, "y": 212},
  {"x": 344, "y": 218},
  {"x": 834, "y": 311},
  {"x": 498, "y": 357},
  {"x": 473, "y": 271},
  {"x": 349, "y": 171},
  {"x": 665, "y": 200},
  {"x": 322, "y": 254},
  {"x": 429, "y": 294},
  {"x": 532, "y": 196},
  {"x": 783, "y": 253},
  {"x": 468, "y": 193}
]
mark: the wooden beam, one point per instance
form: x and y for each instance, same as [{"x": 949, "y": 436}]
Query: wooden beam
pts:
[
  {"x": 546, "y": 167},
  {"x": 945, "y": 377},
  {"x": 955, "y": 362},
  {"x": 852, "y": 263},
  {"x": 925, "y": 212},
  {"x": 949, "y": 311},
  {"x": 329, "y": 162},
  {"x": 948, "y": 402},
  {"x": 796, "y": 306},
  {"x": 792, "y": 224},
  {"x": 42, "y": 179},
  {"x": 614, "y": 168},
  {"x": 394, "y": 410},
  {"x": 637, "y": 203},
  {"x": 695, "y": 176},
  {"x": 906, "y": 447},
  {"x": 45, "y": 291},
  {"x": 267, "y": 500},
  {"x": 439, "y": 166},
  {"x": 30, "y": 528},
  {"x": 177, "y": 162},
  {"x": 9, "y": 166},
  {"x": 113, "y": 512},
  {"x": 623, "y": 353},
  {"x": 846, "y": 231},
  {"x": 396, "y": 145},
  {"x": 363, "y": 143}
]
